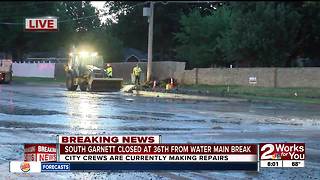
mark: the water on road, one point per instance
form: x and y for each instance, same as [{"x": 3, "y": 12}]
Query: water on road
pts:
[{"x": 36, "y": 114}]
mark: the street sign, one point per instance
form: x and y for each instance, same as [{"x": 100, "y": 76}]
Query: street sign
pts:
[
  {"x": 146, "y": 11},
  {"x": 252, "y": 80}
]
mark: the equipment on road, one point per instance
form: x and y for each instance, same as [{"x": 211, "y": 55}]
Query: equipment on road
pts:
[
  {"x": 5, "y": 71},
  {"x": 85, "y": 69}
]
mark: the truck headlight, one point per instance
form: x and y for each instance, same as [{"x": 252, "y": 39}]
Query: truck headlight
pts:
[{"x": 84, "y": 53}]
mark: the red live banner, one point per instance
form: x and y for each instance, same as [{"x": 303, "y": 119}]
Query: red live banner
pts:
[{"x": 41, "y": 24}]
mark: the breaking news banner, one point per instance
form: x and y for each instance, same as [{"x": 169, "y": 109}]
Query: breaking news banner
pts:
[
  {"x": 144, "y": 152},
  {"x": 282, "y": 154},
  {"x": 157, "y": 153}
]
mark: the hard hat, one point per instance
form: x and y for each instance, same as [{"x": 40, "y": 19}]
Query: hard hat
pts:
[{"x": 108, "y": 64}]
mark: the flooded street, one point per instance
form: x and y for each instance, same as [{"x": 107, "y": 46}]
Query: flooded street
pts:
[{"x": 36, "y": 114}]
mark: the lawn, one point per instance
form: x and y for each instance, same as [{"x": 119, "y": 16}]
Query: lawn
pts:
[
  {"x": 307, "y": 95},
  {"x": 38, "y": 80}
]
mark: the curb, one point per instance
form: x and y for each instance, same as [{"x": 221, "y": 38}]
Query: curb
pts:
[
  {"x": 54, "y": 84},
  {"x": 184, "y": 96}
]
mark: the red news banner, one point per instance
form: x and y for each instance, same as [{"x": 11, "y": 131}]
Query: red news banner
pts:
[
  {"x": 282, "y": 154},
  {"x": 40, "y": 152},
  {"x": 148, "y": 149}
]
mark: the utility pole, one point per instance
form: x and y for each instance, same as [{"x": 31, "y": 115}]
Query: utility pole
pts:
[
  {"x": 150, "y": 34},
  {"x": 150, "y": 41}
]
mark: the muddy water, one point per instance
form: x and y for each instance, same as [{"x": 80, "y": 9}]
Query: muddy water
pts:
[{"x": 35, "y": 114}]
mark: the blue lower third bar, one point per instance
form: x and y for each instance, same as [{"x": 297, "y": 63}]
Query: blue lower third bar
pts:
[
  {"x": 55, "y": 166},
  {"x": 145, "y": 166}
]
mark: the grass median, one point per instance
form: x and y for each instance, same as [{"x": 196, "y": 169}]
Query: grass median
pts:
[
  {"x": 37, "y": 80},
  {"x": 305, "y": 95}
]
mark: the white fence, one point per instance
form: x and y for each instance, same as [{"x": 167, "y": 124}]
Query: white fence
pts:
[{"x": 45, "y": 70}]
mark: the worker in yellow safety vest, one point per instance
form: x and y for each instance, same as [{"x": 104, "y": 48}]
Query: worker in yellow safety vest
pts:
[
  {"x": 109, "y": 71},
  {"x": 136, "y": 73}
]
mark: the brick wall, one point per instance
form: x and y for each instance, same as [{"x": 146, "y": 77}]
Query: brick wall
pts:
[{"x": 266, "y": 77}]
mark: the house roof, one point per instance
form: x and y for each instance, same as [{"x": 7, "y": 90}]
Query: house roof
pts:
[
  {"x": 46, "y": 54},
  {"x": 129, "y": 52},
  {"x": 2, "y": 55}
]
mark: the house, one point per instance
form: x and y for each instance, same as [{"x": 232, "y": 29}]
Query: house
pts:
[
  {"x": 2, "y": 55},
  {"x": 307, "y": 62},
  {"x": 134, "y": 55},
  {"x": 59, "y": 56},
  {"x": 44, "y": 54}
]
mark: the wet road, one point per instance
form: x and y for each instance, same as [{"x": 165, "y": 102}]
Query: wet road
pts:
[{"x": 36, "y": 114}]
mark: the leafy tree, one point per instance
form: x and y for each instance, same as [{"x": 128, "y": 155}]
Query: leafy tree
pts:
[
  {"x": 13, "y": 38},
  {"x": 198, "y": 37},
  {"x": 73, "y": 17},
  {"x": 263, "y": 36},
  {"x": 308, "y": 40},
  {"x": 250, "y": 34},
  {"x": 85, "y": 13},
  {"x": 102, "y": 41},
  {"x": 112, "y": 48},
  {"x": 132, "y": 28}
]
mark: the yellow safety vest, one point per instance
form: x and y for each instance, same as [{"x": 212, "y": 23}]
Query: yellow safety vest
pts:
[
  {"x": 109, "y": 71},
  {"x": 136, "y": 71}
]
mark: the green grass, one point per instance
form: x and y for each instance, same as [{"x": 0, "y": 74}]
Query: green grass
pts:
[
  {"x": 306, "y": 95},
  {"x": 38, "y": 80}
]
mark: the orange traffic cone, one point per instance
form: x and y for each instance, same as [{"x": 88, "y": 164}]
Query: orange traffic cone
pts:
[
  {"x": 154, "y": 85},
  {"x": 171, "y": 82}
]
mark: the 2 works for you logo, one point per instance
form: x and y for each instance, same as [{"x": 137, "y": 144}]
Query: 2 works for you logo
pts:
[
  {"x": 282, "y": 151},
  {"x": 41, "y": 24}
]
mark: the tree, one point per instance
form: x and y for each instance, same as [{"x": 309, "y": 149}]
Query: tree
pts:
[
  {"x": 132, "y": 28},
  {"x": 112, "y": 47},
  {"x": 73, "y": 17},
  {"x": 103, "y": 42},
  {"x": 263, "y": 36},
  {"x": 198, "y": 37},
  {"x": 13, "y": 38},
  {"x": 250, "y": 34},
  {"x": 309, "y": 31},
  {"x": 85, "y": 15}
]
